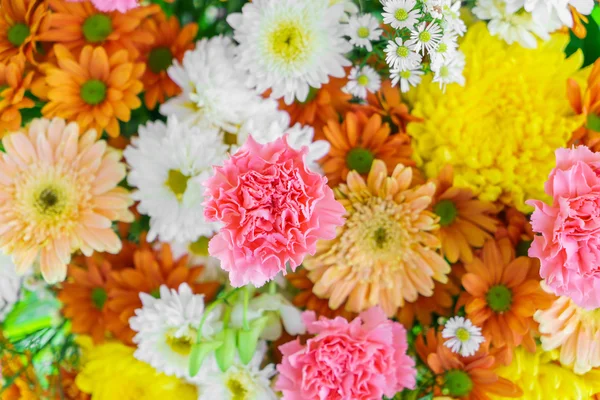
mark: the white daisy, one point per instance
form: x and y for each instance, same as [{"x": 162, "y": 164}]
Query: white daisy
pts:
[
  {"x": 426, "y": 37},
  {"x": 168, "y": 165},
  {"x": 464, "y": 337},
  {"x": 446, "y": 49},
  {"x": 449, "y": 70},
  {"x": 362, "y": 81},
  {"x": 239, "y": 381},
  {"x": 289, "y": 46},
  {"x": 435, "y": 7},
  {"x": 400, "y": 55},
  {"x": 452, "y": 17},
  {"x": 198, "y": 256},
  {"x": 363, "y": 29},
  {"x": 349, "y": 8},
  {"x": 167, "y": 328},
  {"x": 400, "y": 13},
  {"x": 556, "y": 10},
  {"x": 10, "y": 285},
  {"x": 407, "y": 77}
]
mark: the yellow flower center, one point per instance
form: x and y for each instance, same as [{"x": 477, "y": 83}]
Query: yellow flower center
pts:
[
  {"x": 238, "y": 392},
  {"x": 425, "y": 36},
  {"x": 160, "y": 59},
  {"x": 239, "y": 385},
  {"x": 181, "y": 345},
  {"x": 401, "y": 14},
  {"x": 17, "y": 34},
  {"x": 96, "y": 28},
  {"x": 405, "y": 74},
  {"x": 442, "y": 48},
  {"x": 402, "y": 51},
  {"x": 444, "y": 71},
  {"x": 289, "y": 42},
  {"x": 463, "y": 334},
  {"x": 93, "y": 92},
  {"x": 363, "y": 80},
  {"x": 363, "y": 32},
  {"x": 177, "y": 182},
  {"x": 200, "y": 246}
]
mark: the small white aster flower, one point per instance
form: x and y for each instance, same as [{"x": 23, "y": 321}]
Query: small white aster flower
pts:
[
  {"x": 289, "y": 46},
  {"x": 10, "y": 285},
  {"x": 426, "y": 37},
  {"x": 400, "y": 13},
  {"x": 453, "y": 21},
  {"x": 349, "y": 8},
  {"x": 167, "y": 328},
  {"x": 362, "y": 81},
  {"x": 406, "y": 77},
  {"x": 169, "y": 162},
  {"x": 363, "y": 29},
  {"x": 449, "y": 70},
  {"x": 446, "y": 49},
  {"x": 435, "y": 7},
  {"x": 464, "y": 338},
  {"x": 399, "y": 54}
]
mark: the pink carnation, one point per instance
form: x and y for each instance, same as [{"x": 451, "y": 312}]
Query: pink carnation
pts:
[
  {"x": 360, "y": 360},
  {"x": 112, "y": 5},
  {"x": 274, "y": 209},
  {"x": 569, "y": 245}
]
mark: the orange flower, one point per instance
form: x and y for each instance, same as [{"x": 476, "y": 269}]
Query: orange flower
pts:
[
  {"x": 587, "y": 104},
  {"x": 96, "y": 90},
  {"x": 170, "y": 43},
  {"x": 13, "y": 84},
  {"x": 63, "y": 386},
  {"x": 20, "y": 21},
  {"x": 464, "y": 378},
  {"x": 357, "y": 142},
  {"x": 77, "y": 24},
  {"x": 465, "y": 221},
  {"x": 152, "y": 269},
  {"x": 579, "y": 21},
  {"x": 387, "y": 102},
  {"x": 516, "y": 227},
  {"x": 503, "y": 293}
]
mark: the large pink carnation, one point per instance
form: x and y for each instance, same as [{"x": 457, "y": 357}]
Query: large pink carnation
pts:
[
  {"x": 274, "y": 209},
  {"x": 112, "y": 5},
  {"x": 569, "y": 245},
  {"x": 361, "y": 360}
]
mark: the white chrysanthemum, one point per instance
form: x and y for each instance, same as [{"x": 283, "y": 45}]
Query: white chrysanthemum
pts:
[
  {"x": 289, "y": 46},
  {"x": 426, "y": 37},
  {"x": 362, "y": 81},
  {"x": 166, "y": 328},
  {"x": 363, "y": 29},
  {"x": 464, "y": 338},
  {"x": 400, "y": 55},
  {"x": 406, "y": 77},
  {"x": 400, "y": 13},
  {"x": 10, "y": 285},
  {"x": 554, "y": 10},
  {"x": 168, "y": 165},
  {"x": 239, "y": 381},
  {"x": 449, "y": 70}
]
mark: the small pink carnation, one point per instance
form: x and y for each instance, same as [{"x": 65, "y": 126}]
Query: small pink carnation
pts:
[
  {"x": 360, "y": 360},
  {"x": 274, "y": 209},
  {"x": 569, "y": 244},
  {"x": 112, "y": 5}
]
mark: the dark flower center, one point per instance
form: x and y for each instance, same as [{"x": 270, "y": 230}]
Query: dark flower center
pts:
[
  {"x": 17, "y": 34},
  {"x": 360, "y": 160},
  {"x": 96, "y": 28},
  {"x": 499, "y": 298},
  {"x": 160, "y": 59}
]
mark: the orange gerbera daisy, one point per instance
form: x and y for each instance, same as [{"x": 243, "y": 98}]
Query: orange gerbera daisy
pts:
[
  {"x": 357, "y": 142},
  {"x": 465, "y": 221},
  {"x": 387, "y": 102},
  {"x": 516, "y": 227},
  {"x": 503, "y": 293},
  {"x": 20, "y": 21},
  {"x": 587, "y": 104},
  {"x": 464, "y": 378},
  {"x": 96, "y": 90},
  {"x": 13, "y": 84},
  {"x": 152, "y": 269},
  {"x": 77, "y": 24},
  {"x": 170, "y": 43}
]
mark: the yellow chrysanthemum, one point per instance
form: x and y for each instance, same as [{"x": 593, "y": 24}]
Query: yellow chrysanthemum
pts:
[
  {"x": 541, "y": 377},
  {"x": 500, "y": 130},
  {"x": 111, "y": 372}
]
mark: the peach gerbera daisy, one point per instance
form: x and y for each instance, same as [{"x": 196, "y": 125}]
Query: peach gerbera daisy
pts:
[
  {"x": 58, "y": 194},
  {"x": 573, "y": 330},
  {"x": 503, "y": 293},
  {"x": 76, "y": 25},
  {"x": 385, "y": 252},
  {"x": 387, "y": 102},
  {"x": 152, "y": 268},
  {"x": 465, "y": 221},
  {"x": 170, "y": 43},
  {"x": 357, "y": 142},
  {"x": 95, "y": 90},
  {"x": 20, "y": 21},
  {"x": 13, "y": 84}
]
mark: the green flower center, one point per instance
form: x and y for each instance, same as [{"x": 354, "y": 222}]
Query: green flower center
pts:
[
  {"x": 155, "y": 293},
  {"x": 99, "y": 297},
  {"x": 160, "y": 59},
  {"x": 200, "y": 246},
  {"x": 442, "y": 48},
  {"x": 50, "y": 201},
  {"x": 444, "y": 71},
  {"x": 360, "y": 160},
  {"x": 523, "y": 248},
  {"x": 96, "y": 28},
  {"x": 405, "y": 74},
  {"x": 457, "y": 383},
  {"x": 363, "y": 80},
  {"x": 363, "y": 32},
  {"x": 180, "y": 345},
  {"x": 93, "y": 92},
  {"x": 17, "y": 34},
  {"x": 463, "y": 334},
  {"x": 499, "y": 298},
  {"x": 425, "y": 36},
  {"x": 446, "y": 210},
  {"x": 380, "y": 237},
  {"x": 237, "y": 389},
  {"x": 402, "y": 51},
  {"x": 401, "y": 14},
  {"x": 177, "y": 182}
]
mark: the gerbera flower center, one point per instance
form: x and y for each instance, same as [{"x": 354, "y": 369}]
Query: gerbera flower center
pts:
[
  {"x": 402, "y": 51},
  {"x": 177, "y": 182},
  {"x": 425, "y": 36},
  {"x": 50, "y": 201},
  {"x": 96, "y": 28},
  {"x": 446, "y": 210},
  {"x": 200, "y": 246},
  {"x": 160, "y": 59},
  {"x": 363, "y": 32},
  {"x": 463, "y": 334},
  {"x": 17, "y": 34},
  {"x": 360, "y": 160},
  {"x": 99, "y": 297},
  {"x": 499, "y": 298},
  {"x": 93, "y": 92},
  {"x": 363, "y": 80},
  {"x": 180, "y": 345},
  {"x": 401, "y": 14},
  {"x": 289, "y": 42},
  {"x": 457, "y": 383}
]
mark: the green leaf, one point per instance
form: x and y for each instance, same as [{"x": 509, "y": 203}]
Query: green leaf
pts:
[
  {"x": 590, "y": 45},
  {"x": 248, "y": 340},
  {"x": 199, "y": 353},
  {"x": 226, "y": 353},
  {"x": 593, "y": 122}
]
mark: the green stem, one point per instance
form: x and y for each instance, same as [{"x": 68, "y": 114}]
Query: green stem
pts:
[
  {"x": 246, "y": 302},
  {"x": 210, "y": 308},
  {"x": 272, "y": 287}
]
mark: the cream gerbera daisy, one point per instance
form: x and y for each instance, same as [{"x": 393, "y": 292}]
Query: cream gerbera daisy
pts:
[
  {"x": 289, "y": 46},
  {"x": 362, "y": 80},
  {"x": 363, "y": 29},
  {"x": 58, "y": 194}
]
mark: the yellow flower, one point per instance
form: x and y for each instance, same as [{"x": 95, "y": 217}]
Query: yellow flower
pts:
[
  {"x": 500, "y": 130},
  {"x": 541, "y": 377},
  {"x": 111, "y": 372}
]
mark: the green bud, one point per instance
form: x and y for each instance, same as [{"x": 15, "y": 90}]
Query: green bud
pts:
[
  {"x": 199, "y": 352},
  {"x": 247, "y": 340},
  {"x": 226, "y": 353}
]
